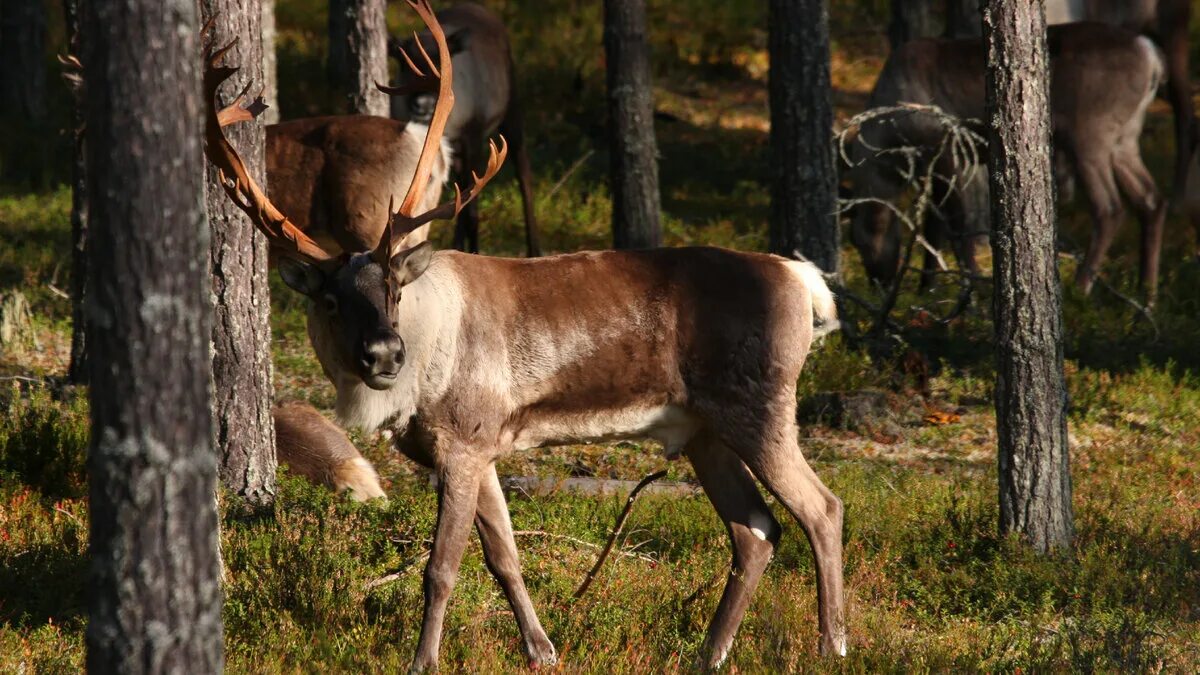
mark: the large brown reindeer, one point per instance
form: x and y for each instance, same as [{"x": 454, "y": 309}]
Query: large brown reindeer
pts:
[
  {"x": 468, "y": 358},
  {"x": 1103, "y": 79},
  {"x": 485, "y": 94},
  {"x": 336, "y": 174}
]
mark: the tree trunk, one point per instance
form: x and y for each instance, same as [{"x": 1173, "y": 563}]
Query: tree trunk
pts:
[
  {"x": 358, "y": 54},
  {"x": 964, "y": 18},
  {"x": 912, "y": 19},
  {"x": 803, "y": 175},
  {"x": 78, "y": 369},
  {"x": 24, "y": 156},
  {"x": 270, "y": 64},
  {"x": 245, "y": 436},
  {"x": 634, "y": 152},
  {"x": 1035, "y": 483},
  {"x": 154, "y": 596}
]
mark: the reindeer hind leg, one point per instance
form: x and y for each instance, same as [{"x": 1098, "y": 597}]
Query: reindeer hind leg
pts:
[{"x": 753, "y": 533}]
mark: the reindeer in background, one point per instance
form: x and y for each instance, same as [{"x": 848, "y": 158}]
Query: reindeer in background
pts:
[
  {"x": 1102, "y": 81},
  {"x": 485, "y": 92},
  {"x": 469, "y": 358},
  {"x": 313, "y": 447}
]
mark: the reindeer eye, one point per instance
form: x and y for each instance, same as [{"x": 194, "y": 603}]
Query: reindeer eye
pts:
[{"x": 330, "y": 303}]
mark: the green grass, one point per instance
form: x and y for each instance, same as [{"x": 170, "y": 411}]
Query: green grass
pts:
[{"x": 930, "y": 584}]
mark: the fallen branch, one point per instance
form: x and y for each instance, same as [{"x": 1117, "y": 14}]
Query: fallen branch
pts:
[
  {"x": 581, "y": 542},
  {"x": 612, "y": 538}
]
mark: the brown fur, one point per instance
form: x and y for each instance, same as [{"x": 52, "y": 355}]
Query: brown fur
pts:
[
  {"x": 334, "y": 176},
  {"x": 313, "y": 447}
]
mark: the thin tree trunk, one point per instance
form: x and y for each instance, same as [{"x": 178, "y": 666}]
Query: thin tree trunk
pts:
[
  {"x": 632, "y": 146},
  {"x": 1035, "y": 482},
  {"x": 270, "y": 64},
  {"x": 245, "y": 435},
  {"x": 803, "y": 176},
  {"x": 24, "y": 155},
  {"x": 358, "y": 54},
  {"x": 912, "y": 19},
  {"x": 154, "y": 597},
  {"x": 78, "y": 369},
  {"x": 964, "y": 18}
]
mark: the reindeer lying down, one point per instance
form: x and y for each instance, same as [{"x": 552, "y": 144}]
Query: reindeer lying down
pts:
[{"x": 1102, "y": 81}]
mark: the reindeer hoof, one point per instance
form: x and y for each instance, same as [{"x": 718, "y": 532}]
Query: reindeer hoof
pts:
[{"x": 541, "y": 653}]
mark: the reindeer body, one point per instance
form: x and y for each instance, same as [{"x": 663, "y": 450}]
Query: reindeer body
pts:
[
  {"x": 697, "y": 348},
  {"x": 1102, "y": 81},
  {"x": 313, "y": 447},
  {"x": 485, "y": 102},
  {"x": 335, "y": 176},
  {"x": 1167, "y": 22}
]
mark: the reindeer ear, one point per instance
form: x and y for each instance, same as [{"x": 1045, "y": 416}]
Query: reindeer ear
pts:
[
  {"x": 301, "y": 276},
  {"x": 411, "y": 263},
  {"x": 458, "y": 41}
]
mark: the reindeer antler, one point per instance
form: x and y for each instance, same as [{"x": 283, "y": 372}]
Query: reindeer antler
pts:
[
  {"x": 405, "y": 220},
  {"x": 235, "y": 178}
]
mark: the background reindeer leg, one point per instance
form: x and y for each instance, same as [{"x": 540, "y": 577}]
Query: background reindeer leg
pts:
[{"x": 513, "y": 129}]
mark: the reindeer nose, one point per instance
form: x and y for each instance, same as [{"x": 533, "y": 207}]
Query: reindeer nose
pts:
[{"x": 383, "y": 356}]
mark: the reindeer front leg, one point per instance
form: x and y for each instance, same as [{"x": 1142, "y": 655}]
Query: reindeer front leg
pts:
[
  {"x": 500, "y": 551},
  {"x": 458, "y": 488}
]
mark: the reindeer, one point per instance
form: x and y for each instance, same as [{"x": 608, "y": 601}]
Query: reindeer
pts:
[
  {"x": 469, "y": 358},
  {"x": 1102, "y": 80},
  {"x": 486, "y": 92},
  {"x": 336, "y": 174},
  {"x": 313, "y": 447},
  {"x": 1167, "y": 22}
]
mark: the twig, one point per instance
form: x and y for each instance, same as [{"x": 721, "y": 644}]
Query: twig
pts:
[
  {"x": 408, "y": 566},
  {"x": 580, "y": 542},
  {"x": 58, "y": 291},
  {"x": 612, "y": 538},
  {"x": 569, "y": 172}
]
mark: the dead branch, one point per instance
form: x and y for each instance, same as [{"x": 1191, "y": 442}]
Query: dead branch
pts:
[{"x": 620, "y": 524}]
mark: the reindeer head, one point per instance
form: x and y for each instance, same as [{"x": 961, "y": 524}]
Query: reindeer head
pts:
[{"x": 356, "y": 296}]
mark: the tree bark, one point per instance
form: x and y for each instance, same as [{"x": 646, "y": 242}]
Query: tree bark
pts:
[
  {"x": 154, "y": 597},
  {"x": 270, "y": 64},
  {"x": 78, "y": 368},
  {"x": 964, "y": 18},
  {"x": 245, "y": 435},
  {"x": 803, "y": 175},
  {"x": 912, "y": 19},
  {"x": 633, "y": 169},
  {"x": 1035, "y": 482},
  {"x": 24, "y": 157},
  {"x": 358, "y": 54}
]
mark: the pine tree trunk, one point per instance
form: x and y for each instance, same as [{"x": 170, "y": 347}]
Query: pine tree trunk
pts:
[
  {"x": 631, "y": 144},
  {"x": 358, "y": 54},
  {"x": 1035, "y": 483},
  {"x": 270, "y": 64},
  {"x": 245, "y": 435},
  {"x": 803, "y": 175},
  {"x": 24, "y": 156},
  {"x": 154, "y": 596},
  {"x": 964, "y": 18},
  {"x": 912, "y": 19},
  {"x": 78, "y": 369}
]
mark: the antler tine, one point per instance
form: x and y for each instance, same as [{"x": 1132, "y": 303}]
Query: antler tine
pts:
[
  {"x": 400, "y": 224},
  {"x": 437, "y": 127},
  {"x": 236, "y": 179}
]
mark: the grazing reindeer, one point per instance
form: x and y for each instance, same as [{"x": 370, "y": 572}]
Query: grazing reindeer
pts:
[
  {"x": 336, "y": 174},
  {"x": 469, "y": 358},
  {"x": 313, "y": 447},
  {"x": 1167, "y": 22},
  {"x": 485, "y": 92},
  {"x": 1102, "y": 80}
]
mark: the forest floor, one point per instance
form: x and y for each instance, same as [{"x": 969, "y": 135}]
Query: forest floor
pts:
[{"x": 930, "y": 584}]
